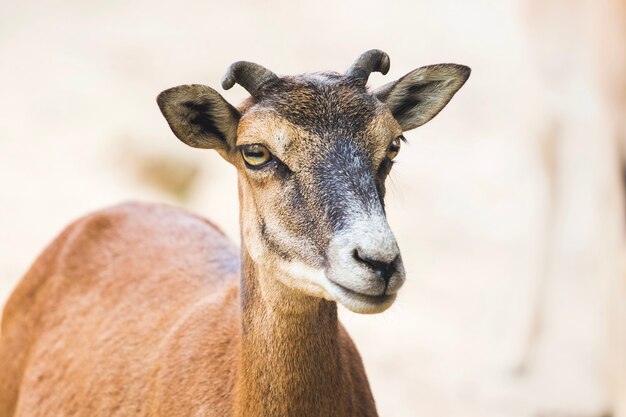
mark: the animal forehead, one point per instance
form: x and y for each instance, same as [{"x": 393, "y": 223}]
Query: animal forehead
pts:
[{"x": 321, "y": 103}]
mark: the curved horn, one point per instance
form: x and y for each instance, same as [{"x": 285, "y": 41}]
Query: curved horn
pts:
[
  {"x": 249, "y": 75},
  {"x": 370, "y": 61}
]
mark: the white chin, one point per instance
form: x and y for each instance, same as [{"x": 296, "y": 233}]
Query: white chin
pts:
[
  {"x": 360, "y": 303},
  {"x": 314, "y": 282}
]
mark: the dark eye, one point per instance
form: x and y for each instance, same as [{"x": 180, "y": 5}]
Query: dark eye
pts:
[
  {"x": 256, "y": 155},
  {"x": 394, "y": 147}
]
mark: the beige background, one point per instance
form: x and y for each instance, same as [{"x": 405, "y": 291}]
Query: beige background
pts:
[{"x": 507, "y": 206}]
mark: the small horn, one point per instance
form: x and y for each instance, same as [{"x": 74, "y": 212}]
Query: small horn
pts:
[
  {"x": 249, "y": 75},
  {"x": 370, "y": 61}
]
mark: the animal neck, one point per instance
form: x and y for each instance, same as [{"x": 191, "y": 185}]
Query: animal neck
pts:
[{"x": 290, "y": 361}]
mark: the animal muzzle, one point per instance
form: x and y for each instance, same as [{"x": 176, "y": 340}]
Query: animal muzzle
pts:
[{"x": 364, "y": 266}]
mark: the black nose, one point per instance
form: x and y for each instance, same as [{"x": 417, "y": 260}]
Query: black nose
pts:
[{"x": 382, "y": 269}]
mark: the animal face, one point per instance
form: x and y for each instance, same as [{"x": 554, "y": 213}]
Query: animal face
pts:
[{"x": 312, "y": 154}]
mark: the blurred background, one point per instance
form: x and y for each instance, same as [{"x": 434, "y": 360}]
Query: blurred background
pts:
[{"x": 508, "y": 206}]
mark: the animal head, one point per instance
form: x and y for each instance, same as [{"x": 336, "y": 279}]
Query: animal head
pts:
[{"x": 312, "y": 153}]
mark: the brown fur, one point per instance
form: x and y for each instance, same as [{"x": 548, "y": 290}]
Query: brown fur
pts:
[{"x": 161, "y": 332}]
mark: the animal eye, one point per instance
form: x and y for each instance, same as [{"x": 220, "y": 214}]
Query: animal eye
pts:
[
  {"x": 255, "y": 155},
  {"x": 394, "y": 147}
]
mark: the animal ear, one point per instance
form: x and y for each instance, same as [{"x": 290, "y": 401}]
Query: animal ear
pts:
[
  {"x": 200, "y": 117},
  {"x": 418, "y": 96}
]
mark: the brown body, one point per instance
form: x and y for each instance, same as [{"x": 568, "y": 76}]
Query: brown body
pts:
[
  {"x": 161, "y": 322},
  {"x": 149, "y": 311}
]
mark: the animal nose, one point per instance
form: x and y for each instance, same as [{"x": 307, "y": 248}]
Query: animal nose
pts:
[{"x": 382, "y": 268}]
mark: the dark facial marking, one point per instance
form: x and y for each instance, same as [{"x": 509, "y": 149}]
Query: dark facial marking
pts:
[
  {"x": 321, "y": 104},
  {"x": 383, "y": 171},
  {"x": 298, "y": 208},
  {"x": 346, "y": 178},
  {"x": 271, "y": 242},
  {"x": 301, "y": 204}
]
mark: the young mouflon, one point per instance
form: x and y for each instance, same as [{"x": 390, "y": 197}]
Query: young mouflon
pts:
[{"x": 148, "y": 310}]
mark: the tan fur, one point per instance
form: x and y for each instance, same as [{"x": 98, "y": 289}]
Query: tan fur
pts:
[{"x": 161, "y": 331}]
